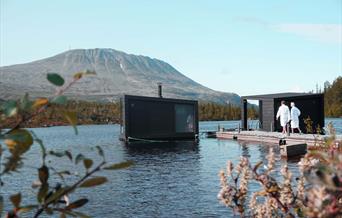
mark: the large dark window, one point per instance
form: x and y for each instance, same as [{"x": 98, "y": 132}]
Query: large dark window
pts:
[
  {"x": 149, "y": 118},
  {"x": 184, "y": 118}
]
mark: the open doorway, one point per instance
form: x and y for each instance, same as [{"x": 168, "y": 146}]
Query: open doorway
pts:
[
  {"x": 253, "y": 121},
  {"x": 251, "y": 116}
]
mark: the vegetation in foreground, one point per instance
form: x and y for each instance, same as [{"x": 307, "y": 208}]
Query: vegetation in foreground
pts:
[
  {"x": 317, "y": 192},
  {"x": 53, "y": 185}
]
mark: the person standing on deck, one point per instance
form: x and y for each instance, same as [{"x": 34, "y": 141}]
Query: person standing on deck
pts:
[
  {"x": 295, "y": 113},
  {"x": 284, "y": 114}
]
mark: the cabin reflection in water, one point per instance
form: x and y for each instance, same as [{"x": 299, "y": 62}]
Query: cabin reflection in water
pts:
[{"x": 150, "y": 118}]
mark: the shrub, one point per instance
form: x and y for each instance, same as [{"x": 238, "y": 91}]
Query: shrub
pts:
[
  {"x": 316, "y": 193},
  {"x": 51, "y": 198}
]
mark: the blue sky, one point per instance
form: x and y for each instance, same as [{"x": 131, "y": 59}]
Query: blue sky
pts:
[{"x": 247, "y": 47}]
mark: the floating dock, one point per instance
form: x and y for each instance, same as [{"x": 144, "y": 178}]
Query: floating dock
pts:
[{"x": 272, "y": 137}]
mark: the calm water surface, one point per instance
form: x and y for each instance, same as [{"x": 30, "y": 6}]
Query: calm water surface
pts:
[{"x": 167, "y": 180}]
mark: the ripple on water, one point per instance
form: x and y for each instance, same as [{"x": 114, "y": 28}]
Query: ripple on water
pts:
[{"x": 168, "y": 179}]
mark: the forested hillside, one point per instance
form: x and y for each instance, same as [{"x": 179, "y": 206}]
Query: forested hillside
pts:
[
  {"x": 105, "y": 113},
  {"x": 333, "y": 98}
]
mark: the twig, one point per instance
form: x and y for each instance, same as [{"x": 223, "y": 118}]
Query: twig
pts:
[{"x": 46, "y": 204}]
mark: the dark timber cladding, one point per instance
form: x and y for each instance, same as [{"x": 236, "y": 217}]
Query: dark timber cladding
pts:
[
  {"x": 158, "y": 118},
  {"x": 310, "y": 105}
]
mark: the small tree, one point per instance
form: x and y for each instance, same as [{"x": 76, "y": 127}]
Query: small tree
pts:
[{"x": 51, "y": 198}]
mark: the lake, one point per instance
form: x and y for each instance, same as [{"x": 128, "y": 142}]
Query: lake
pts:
[{"x": 168, "y": 179}]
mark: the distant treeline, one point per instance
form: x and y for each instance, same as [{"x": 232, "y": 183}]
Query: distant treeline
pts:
[
  {"x": 104, "y": 113},
  {"x": 87, "y": 113},
  {"x": 333, "y": 98}
]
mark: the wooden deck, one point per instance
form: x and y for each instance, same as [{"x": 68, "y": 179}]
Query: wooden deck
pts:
[{"x": 273, "y": 137}]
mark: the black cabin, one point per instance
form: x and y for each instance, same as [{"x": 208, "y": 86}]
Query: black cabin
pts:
[
  {"x": 310, "y": 105},
  {"x": 150, "y": 118}
]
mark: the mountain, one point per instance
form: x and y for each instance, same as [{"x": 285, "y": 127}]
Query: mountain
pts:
[{"x": 117, "y": 73}]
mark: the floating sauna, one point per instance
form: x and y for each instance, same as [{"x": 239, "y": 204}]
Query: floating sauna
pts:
[
  {"x": 158, "y": 118},
  {"x": 310, "y": 105}
]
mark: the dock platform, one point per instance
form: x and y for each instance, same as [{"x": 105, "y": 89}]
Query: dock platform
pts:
[{"x": 273, "y": 137}]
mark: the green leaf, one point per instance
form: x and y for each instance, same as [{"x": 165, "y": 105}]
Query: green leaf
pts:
[
  {"x": 77, "y": 204},
  {"x": 9, "y": 108},
  {"x": 73, "y": 213},
  {"x": 56, "y": 154},
  {"x": 56, "y": 195},
  {"x": 79, "y": 75},
  {"x": 43, "y": 174},
  {"x": 1, "y": 204},
  {"x": 66, "y": 172},
  {"x": 42, "y": 193},
  {"x": 19, "y": 141},
  {"x": 61, "y": 99},
  {"x": 61, "y": 154},
  {"x": 78, "y": 158},
  {"x": 71, "y": 117},
  {"x": 70, "y": 213},
  {"x": 81, "y": 215},
  {"x": 16, "y": 199},
  {"x": 90, "y": 72},
  {"x": 55, "y": 79},
  {"x": 62, "y": 173},
  {"x": 27, "y": 208},
  {"x": 119, "y": 166},
  {"x": 13, "y": 163},
  {"x": 94, "y": 182},
  {"x": 25, "y": 103},
  {"x": 87, "y": 163},
  {"x": 100, "y": 151},
  {"x": 39, "y": 102},
  {"x": 41, "y": 144},
  {"x": 68, "y": 154}
]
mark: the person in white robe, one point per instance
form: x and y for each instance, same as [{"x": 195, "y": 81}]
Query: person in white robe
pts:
[
  {"x": 284, "y": 114},
  {"x": 295, "y": 113}
]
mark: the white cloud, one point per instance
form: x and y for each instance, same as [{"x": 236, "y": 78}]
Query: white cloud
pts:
[{"x": 331, "y": 33}]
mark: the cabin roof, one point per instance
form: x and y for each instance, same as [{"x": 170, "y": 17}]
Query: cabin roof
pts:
[
  {"x": 158, "y": 99},
  {"x": 280, "y": 95}
]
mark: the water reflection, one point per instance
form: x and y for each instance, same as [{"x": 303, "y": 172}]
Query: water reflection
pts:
[
  {"x": 245, "y": 151},
  {"x": 134, "y": 148},
  {"x": 164, "y": 175}
]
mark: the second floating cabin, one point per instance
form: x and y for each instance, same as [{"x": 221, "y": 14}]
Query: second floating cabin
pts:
[
  {"x": 153, "y": 118},
  {"x": 310, "y": 105}
]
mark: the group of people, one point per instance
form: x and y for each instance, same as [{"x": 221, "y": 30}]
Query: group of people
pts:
[{"x": 288, "y": 116}]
